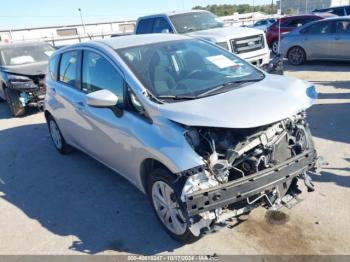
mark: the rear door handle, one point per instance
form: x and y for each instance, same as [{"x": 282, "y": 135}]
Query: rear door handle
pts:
[{"x": 80, "y": 106}]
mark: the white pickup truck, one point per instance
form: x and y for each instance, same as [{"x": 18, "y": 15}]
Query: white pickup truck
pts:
[{"x": 248, "y": 43}]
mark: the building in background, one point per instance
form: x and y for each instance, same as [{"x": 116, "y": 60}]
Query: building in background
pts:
[
  {"x": 67, "y": 34},
  {"x": 306, "y": 6}
]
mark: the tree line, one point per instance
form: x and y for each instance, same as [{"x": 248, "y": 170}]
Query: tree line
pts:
[{"x": 224, "y": 10}]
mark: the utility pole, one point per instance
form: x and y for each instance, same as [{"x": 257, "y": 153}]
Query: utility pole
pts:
[
  {"x": 271, "y": 7},
  {"x": 82, "y": 21}
]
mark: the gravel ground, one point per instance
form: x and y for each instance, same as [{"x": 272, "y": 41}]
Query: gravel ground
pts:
[{"x": 53, "y": 204}]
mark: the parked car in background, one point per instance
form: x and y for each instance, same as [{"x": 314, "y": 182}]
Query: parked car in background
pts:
[
  {"x": 22, "y": 74},
  {"x": 328, "y": 39},
  {"x": 247, "y": 43},
  {"x": 285, "y": 25},
  {"x": 206, "y": 135},
  {"x": 336, "y": 10},
  {"x": 263, "y": 24}
]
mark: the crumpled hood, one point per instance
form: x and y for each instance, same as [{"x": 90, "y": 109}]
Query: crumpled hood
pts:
[
  {"x": 270, "y": 100},
  {"x": 27, "y": 69},
  {"x": 228, "y": 32}
]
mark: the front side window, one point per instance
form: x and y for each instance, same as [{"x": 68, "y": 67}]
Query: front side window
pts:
[
  {"x": 189, "y": 68},
  {"x": 98, "y": 73},
  {"x": 195, "y": 21},
  {"x": 68, "y": 68}
]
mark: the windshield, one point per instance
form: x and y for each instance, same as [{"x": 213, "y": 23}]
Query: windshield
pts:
[
  {"x": 187, "y": 69},
  {"x": 195, "y": 21},
  {"x": 25, "y": 54}
]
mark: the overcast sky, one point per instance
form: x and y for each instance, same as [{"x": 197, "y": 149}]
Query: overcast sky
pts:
[{"x": 32, "y": 13}]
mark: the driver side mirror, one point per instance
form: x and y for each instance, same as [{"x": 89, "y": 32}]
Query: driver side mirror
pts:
[{"x": 102, "y": 98}]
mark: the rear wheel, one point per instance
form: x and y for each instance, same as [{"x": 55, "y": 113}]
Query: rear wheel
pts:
[
  {"x": 56, "y": 137},
  {"x": 15, "y": 105},
  {"x": 296, "y": 55},
  {"x": 274, "y": 47},
  {"x": 166, "y": 207}
]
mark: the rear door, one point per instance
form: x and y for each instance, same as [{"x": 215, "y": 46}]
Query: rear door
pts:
[
  {"x": 68, "y": 97},
  {"x": 316, "y": 40},
  {"x": 340, "y": 48}
]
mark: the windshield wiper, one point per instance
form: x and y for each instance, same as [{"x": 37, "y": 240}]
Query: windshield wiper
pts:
[
  {"x": 180, "y": 97},
  {"x": 220, "y": 88}
]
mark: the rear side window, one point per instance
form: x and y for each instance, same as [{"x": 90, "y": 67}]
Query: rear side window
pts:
[
  {"x": 319, "y": 28},
  {"x": 99, "y": 73},
  {"x": 145, "y": 26},
  {"x": 53, "y": 67},
  {"x": 161, "y": 24},
  {"x": 68, "y": 68}
]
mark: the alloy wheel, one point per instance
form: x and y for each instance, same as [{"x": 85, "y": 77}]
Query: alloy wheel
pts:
[
  {"x": 296, "y": 56},
  {"x": 167, "y": 208},
  {"x": 55, "y": 135}
]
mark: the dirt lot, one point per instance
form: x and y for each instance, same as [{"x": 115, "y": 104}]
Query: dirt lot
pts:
[{"x": 53, "y": 204}]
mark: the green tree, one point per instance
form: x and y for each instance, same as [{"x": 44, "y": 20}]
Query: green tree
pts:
[{"x": 224, "y": 10}]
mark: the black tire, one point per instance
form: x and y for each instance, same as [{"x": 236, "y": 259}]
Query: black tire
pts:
[
  {"x": 274, "y": 47},
  {"x": 163, "y": 175},
  {"x": 296, "y": 55},
  {"x": 15, "y": 105},
  {"x": 62, "y": 147}
]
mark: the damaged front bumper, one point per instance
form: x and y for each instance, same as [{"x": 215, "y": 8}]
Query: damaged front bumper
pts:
[
  {"x": 272, "y": 187},
  {"x": 30, "y": 93}
]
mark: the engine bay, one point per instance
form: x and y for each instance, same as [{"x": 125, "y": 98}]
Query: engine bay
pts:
[{"x": 233, "y": 155}]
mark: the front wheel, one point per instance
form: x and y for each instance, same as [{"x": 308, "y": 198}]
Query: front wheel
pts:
[
  {"x": 166, "y": 207},
  {"x": 15, "y": 105},
  {"x": 296, "y": 55},
  {"x": 56, "y": 137}
]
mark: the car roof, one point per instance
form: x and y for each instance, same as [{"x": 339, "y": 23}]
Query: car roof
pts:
[
  {"x": 330, "y": 8},
  {"x": 173, "y": 13},
  {"x": 131, "y": 41},
  {"x": 338, "y": 18}
]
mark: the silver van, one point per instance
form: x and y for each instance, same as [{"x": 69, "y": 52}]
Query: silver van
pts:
[{"x": 206, "y": 135}]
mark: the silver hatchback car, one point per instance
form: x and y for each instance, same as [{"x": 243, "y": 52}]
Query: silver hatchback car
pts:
[
  {"x": 204, "y": 134},
  {"x": 327, "y": 39}
]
